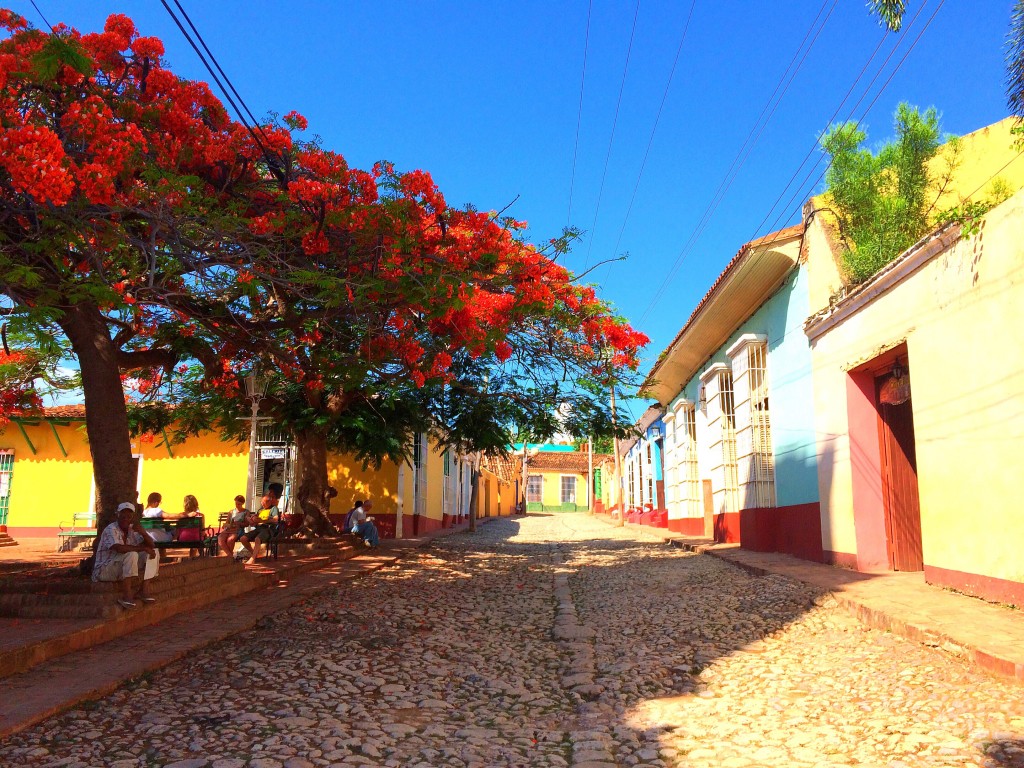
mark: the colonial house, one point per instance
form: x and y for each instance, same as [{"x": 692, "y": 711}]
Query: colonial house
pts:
[
  {"x": 46, "y": 477},
  {"x": 811, "y": 416},
  {"x": 557, "y": 479},
  {"x": 642, "y": 470},
  {"x": 919, "y": 394},
  {"x": 735, "y": 383}
]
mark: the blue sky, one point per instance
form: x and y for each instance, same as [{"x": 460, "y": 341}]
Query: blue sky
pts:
[{"x": 486, "y": 97}]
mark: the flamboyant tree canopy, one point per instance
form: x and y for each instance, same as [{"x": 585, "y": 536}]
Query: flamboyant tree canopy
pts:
[{"x": 180, "y": 248}]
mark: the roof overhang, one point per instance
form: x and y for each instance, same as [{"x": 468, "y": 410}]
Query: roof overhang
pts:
[{"x": 755, "y": 273}]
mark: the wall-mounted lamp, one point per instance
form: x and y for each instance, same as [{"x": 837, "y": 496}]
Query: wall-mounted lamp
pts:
[{"x": 702, "y": 401}]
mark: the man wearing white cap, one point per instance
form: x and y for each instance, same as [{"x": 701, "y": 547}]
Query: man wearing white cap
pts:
[{"x": 124, "y": 553}]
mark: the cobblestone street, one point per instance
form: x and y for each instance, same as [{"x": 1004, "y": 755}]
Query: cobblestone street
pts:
[{"x": 550, "y": 641}]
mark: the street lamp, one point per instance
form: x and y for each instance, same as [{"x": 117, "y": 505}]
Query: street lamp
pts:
[{"x": 255, "y": 391}]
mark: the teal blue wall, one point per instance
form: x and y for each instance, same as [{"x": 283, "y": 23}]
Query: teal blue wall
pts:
[{"x": 791, "y": 398}]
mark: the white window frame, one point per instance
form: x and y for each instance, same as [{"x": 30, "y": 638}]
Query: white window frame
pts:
[
  {"x": 561, "y": 489},
  {"x": 539, "y": 489}
]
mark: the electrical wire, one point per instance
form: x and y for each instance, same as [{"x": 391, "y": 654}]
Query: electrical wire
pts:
[
  {"x": 242, "y": 111},
  {"x": 579, "y": 113},
  {"x": 753, "y": 136},
  {"x": 41, "y": 16},
  {"x": 611, "y": 139},
  {"x": 654, "y": 129}
]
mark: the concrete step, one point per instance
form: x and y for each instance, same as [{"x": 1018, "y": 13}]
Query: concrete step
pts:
[
  {"x": 121, "y": 622},
  {"x": 66, "y": 583},
  {"x": 226, "y": 580},
  {"x": 82, "y": 598}
]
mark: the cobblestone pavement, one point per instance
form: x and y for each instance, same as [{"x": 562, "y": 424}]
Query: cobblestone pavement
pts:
[{"x": 550, "y": 641}]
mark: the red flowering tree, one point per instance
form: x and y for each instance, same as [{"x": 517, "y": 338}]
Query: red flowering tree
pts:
[
  {"x": 151, "y": 229},
  {"x": 107, "y": 163}
]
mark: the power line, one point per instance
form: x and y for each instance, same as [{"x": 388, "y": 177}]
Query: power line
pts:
[
  {"x": 654, "y": 129},
  {"x": 765, "y": 247},
  {"x": 579, "y": 113},
  {"x": 611, "y": 139},
  {"x": 272, "y": 161},
  {"x": 865, "y": 113},
  {"x": 41, "y": 16},
  {"x": 771, "y": 105}
]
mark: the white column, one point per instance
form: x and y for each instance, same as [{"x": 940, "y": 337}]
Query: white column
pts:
[
  {"x": 711, "y": 385},
  {"x": 739, "y": 355}
]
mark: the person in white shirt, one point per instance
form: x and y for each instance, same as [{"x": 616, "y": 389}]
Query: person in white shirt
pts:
[
  {"x": 122, "y": 554},
  {"x": 154, "y": 512}
]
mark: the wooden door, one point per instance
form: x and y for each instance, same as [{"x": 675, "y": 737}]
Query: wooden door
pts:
[
  {"x": 899, "y": 486},
  {"x": 709, "y": 510}
]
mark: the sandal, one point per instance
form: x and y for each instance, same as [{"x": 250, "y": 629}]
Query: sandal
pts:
[{"x": 126, "y": 603}]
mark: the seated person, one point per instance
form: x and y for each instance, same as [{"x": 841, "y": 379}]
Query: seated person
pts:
[
  {"x": 123, "y": 554},
  {"x": 154, "y": 512},
  {"x": 233, "y": 527},
  {"x": 266, "y": 522},
  {"x": 362, "y": 526},
  {"x": 190, "y": 508}
]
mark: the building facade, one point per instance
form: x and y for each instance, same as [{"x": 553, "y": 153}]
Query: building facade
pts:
[{"x": 46, "y": 477}]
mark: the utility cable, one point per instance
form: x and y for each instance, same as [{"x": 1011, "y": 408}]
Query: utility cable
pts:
[
  {"x": 770, "y": 107},
  {"x": 579, "y": 113},
  {"x": 611, "y": 139},
  {"x": 272, "y": 161},
  {"x": 654, "y": 129}
]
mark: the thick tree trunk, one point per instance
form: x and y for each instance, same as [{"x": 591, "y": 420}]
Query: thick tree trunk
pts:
[
  {"x": 311, "y": 482},
  {"x": 106, "y": 417},
  {"x": 474, "y": 493}
]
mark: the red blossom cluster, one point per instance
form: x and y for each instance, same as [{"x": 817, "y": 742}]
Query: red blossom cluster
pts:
[
  {"x": 17, "y": 395},
  {"x": 398, "y": 278}
]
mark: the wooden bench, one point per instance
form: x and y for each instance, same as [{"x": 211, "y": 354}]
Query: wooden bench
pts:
[
  {"x": 82, "y": 526},
  {"x": 207, "y": 538}
]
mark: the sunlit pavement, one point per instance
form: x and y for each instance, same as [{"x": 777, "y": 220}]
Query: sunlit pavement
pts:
[{"x": 550, "y": 641}]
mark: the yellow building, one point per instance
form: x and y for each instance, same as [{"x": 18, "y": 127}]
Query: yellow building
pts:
[
  {"x": 918, "y": 381},
  {"x": 46, "y": 477},
  {"x": 556, "y": 481}
]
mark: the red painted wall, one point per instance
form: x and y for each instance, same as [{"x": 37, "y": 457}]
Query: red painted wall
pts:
[
  {"x": 688, "y": 526},
  {"x": 727, "y": 527},
  {"x": 866, "y": 468},
  {"x": 841, "y": 559},
  {"x": 793, "y": 530},
  {"x": 986, "y": 587}
]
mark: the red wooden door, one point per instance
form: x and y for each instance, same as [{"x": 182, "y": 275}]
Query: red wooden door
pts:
[{"x": 899, "y": 486}]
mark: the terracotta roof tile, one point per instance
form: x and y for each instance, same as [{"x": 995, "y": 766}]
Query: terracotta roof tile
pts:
[
  {"x": 771, "y": 237},
  {"x": 505, "y": 468},
  {"x": 575, "y": 461}
]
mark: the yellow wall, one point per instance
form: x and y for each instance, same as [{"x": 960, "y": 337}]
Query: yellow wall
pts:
[
  {"x": 552, "y": 488},
  {"x": 355, "y": 483},
  {"x": 47, "y": 488},
  {"x": 962, "y": 317},
  {"x": 501, "y": 495}
]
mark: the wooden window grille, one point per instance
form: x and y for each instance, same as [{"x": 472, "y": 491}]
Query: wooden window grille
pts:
[
  {"x": 6, "y": 475},
  {"x": 729, "y": 463},
  {"x": 568, "y": 490},
  {"x": 761, "y": 490},
  {"x": 534, "y": 489},
  {"x": 419, "y": 480},
  {"x": 650, "y": 473},
  {"x": 686, "y": 426}
]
